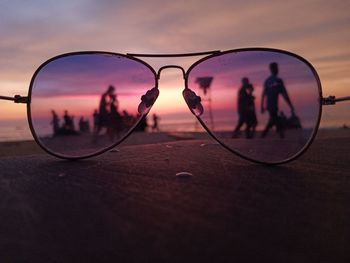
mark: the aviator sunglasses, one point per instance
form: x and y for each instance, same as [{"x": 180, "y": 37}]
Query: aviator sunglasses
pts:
[{"x": 261, "y": 104}]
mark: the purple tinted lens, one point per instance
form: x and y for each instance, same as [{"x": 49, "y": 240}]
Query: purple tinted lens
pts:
[
  {"x": 262, "y": 104},
  {"x": 82, "y": 104}
]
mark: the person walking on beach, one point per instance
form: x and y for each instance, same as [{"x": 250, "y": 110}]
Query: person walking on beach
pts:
[
  {"x": 246, "y": 110},
  {"x": 273, "y": 87}
]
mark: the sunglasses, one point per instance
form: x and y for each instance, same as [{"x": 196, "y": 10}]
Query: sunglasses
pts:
[{"x": 261, "y": 104}]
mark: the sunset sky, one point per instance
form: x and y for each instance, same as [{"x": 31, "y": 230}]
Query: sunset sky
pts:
[{"x": 33, "y": 31}]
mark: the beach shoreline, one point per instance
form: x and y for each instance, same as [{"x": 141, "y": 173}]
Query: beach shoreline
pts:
[{"x": 30, "y": 147}]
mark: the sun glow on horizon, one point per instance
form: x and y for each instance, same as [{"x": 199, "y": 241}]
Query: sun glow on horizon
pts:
[{"x": 32, "y": 32}]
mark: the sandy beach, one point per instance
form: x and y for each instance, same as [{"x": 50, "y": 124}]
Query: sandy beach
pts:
[{"x": 128, "y": 205}]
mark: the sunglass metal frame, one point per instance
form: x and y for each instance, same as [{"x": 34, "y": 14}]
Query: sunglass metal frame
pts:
[{"x": 208, "y": 55}]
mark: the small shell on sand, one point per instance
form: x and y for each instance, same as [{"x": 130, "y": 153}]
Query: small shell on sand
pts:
[
  {"x": 184, "y": 175},
  {"x": 207, "y": 144}
]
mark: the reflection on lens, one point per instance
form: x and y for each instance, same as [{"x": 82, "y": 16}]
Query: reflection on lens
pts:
[
  {"x": 262, "y": 104},
  {"x": 84, "y": 103}
]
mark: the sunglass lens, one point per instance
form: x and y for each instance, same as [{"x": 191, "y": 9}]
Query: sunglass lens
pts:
[
  {"x": 84, "y": 103},
  {"x": 262, "y": 104}
]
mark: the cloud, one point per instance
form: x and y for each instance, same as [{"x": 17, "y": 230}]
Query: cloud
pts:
[{"x": 33, "y": 31}]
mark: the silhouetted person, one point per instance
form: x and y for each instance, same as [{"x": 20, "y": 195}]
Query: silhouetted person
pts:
[
  {"x": 95, "y": 117},
  {"x": 142, "y": 126},
  {"x": 293, "y": 122},
  {"x": 251, "y": 120},
  {"x": 103, "y": 114},
  {"x": 84, "y": 126},
  {"x": 103, "y": 109},
  {"x": 55, "y": 123},
  {"x": 281, "y": 123},
  {"x": 273, "y": 87},
  {"x": 155, "y": 122},
  {"x": 115, "y": 119},
  {"x": 246, "y": 110},
  {"x": 68, "y": 124}
]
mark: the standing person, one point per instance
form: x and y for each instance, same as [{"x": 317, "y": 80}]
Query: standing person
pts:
[
  {"x": 241, "y": 107},
  {"x": 68, "y": 125},
  {"x": 103, "y": 113},
  {"x": 273, "y": 87},
  {"x": 115, "y": 119},
  {"x": 84, "y": 126},
  {"x": 55, "y": 123},
  {"x": 251, "y": 120},
  {"x": 155, "y": 123},
  {"x": 103, "y": 109},
  {"x": 95, "y": 117},
  {"x": 143, "y": 124}
]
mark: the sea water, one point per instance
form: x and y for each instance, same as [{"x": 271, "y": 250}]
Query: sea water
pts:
[
  {"x": 18, "y": 130},
  {"x": 15, "y": 130}
]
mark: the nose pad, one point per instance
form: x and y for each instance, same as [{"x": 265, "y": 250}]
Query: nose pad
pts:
[
  {"x": 147, "y": 100},
  {"x": 193, "y": 102}
]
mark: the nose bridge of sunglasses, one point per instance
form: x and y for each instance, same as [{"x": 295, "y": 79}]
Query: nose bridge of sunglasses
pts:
[
  {"x": 171, "y": 66},
  {"x": 192, "y": 100}
]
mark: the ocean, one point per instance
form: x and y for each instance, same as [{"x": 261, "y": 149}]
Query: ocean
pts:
[
  {"x": 15, "y": 130},
  {"x": 18, "y": 130}
]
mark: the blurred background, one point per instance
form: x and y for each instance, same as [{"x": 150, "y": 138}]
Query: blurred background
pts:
[{"x": 33, "y": 31}]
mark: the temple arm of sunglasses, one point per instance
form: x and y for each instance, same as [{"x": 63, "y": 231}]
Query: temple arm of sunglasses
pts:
[
  {"x": 331, "y": 100},
  {"x": 15, "y": 99}
]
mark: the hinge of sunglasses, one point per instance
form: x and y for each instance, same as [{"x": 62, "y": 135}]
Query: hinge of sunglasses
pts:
[
  {"x": 16, "y": 99},
  {"x": 331, "y": 100}
]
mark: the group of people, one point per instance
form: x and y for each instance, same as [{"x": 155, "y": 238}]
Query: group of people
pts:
[
  {"x": 273, "y": 87},
  {"x": 68, "y": 126},
  {"x": 107, "y": 117}
]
